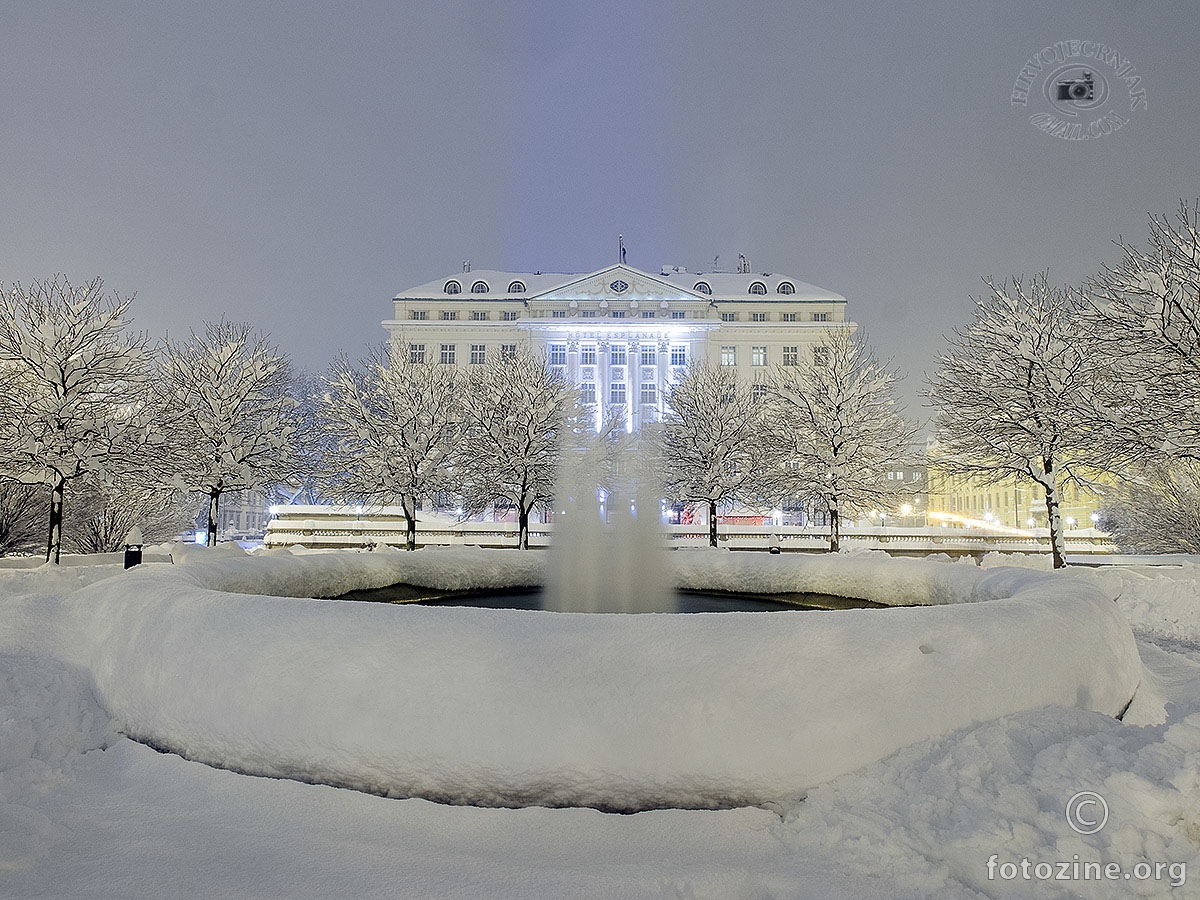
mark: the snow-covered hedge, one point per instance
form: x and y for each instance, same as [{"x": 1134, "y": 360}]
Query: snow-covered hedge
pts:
[{"x": 519, "y": 707}]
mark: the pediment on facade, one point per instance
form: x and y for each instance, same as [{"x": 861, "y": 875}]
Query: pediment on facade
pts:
[{"x": 618, "y": 282}]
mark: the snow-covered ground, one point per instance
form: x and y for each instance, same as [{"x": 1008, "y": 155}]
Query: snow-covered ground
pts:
[{"x": 86, "y": 812}]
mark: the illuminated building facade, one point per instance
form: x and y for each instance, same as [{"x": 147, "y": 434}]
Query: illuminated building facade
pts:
[{"x": 623, "y": 336}]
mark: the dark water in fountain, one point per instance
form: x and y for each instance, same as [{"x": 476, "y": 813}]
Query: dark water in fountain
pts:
[{"x": 533, "y": 598}]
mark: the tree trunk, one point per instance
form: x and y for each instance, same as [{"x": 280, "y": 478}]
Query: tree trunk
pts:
[
  {"x": 712, "y": 523},
  {"x": 835, "y": 536},
  {"x": 522, "y": 526},
  {"x": 410, "y": 522},
  {"x": 214, "y": 501},
  {"x": 1058, "y": 546},
  {"x": 54, "y": 536}
]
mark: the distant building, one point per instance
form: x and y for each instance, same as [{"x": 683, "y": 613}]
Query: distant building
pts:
[
  {"x": 622, "y": 335},
  {"x": 1010, "y": 503}
]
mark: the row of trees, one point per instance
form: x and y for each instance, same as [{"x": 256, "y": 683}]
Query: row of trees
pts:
[
  {"x": 1057, "y": 384},
  {"x": 88, "y": 406}
]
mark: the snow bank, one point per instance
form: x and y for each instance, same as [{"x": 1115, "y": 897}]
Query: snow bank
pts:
[
  {"x": 48, "y": 719},
  {"x": 929, "y": 818},
  {"x": 518, "y": 708}
]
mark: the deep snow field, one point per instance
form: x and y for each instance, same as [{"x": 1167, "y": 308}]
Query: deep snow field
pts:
[{"x": 896, "y": 753}]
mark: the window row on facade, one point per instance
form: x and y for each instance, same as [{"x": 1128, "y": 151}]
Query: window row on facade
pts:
[
  {"x": 452, "y": 315},
  {"x": 756, "y": 288},
  {"x": 618, "y": 354}
]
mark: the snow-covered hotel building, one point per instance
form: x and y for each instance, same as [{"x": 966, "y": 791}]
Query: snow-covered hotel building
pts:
[{"x": 622, "y": 335}]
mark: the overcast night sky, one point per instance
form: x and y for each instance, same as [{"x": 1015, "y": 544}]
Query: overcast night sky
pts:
[{"x": 296, "y": 165}]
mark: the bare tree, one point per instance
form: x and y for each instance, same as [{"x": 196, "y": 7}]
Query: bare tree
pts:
[
  {"x": 104, "y": 516},
  {"x": 397, "y": 423},
  {"x": 1147, "y": 310},
  {"x": 837, "y": 428},
  {"x": 516, "y": 412},
  {"x": 1158, "y": 511},
  {"x": 714, "y": 441},
  {"x": 1013, "y": 394},
  {"x": 20, "y": 523},
  {"x": 224, "y": 406},
  {"x": 73, "y": 382}
]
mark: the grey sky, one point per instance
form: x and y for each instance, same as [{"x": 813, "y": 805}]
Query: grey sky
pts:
[{"x": 297, "y": 164}]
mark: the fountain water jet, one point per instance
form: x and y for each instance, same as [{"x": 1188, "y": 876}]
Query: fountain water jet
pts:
[{"x": 608, "y": 556}]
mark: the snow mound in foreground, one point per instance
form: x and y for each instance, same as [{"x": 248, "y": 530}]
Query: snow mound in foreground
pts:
[
  {"x": 531, "y": 708},
  {"x": 934, "y": 814},
  {"x": 48, "y": 720}
]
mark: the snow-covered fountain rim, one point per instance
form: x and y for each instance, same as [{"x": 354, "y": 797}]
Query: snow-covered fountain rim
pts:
[
  {"x": 617, "y": 712},
  {"x": 872, "y": 575}
]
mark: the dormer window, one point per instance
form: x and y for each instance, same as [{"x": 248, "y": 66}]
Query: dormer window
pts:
[
  {"x": 758, "y": 288},
  {"x": 480, "y": 287},
  {"x": 516, "y": 287},
  {"x": 702, "y": 287},
  {"x": 452, "y": 287},
  {"x": 785, "y": 287}
]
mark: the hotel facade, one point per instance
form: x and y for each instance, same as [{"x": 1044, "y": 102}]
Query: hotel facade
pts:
[{"x": 623, "y": 336}]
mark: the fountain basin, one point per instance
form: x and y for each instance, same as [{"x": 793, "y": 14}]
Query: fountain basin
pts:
[{"x": 618, "y": 712}]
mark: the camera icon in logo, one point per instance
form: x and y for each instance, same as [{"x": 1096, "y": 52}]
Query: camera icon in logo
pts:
[{"x": 1077, "y": 90}]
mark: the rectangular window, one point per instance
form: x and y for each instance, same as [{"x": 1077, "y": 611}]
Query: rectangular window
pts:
[
  {"x": 821, "y": 355},
  {"x": 508, "y": 351},
  {"x": 616, "y": 392},
  {"x": 618, "y": 313},
  {"x": 649, "y": 355},
  {"x": 758, "y": 356},
  {"x": 728, "y": 317},
  {"x": 678, "y": 314},
  {"x": 418, "y": 315},
  {"x": 478, "y": 354},
  {"x": 558, "y": 314},
  {"x": 728, "y": 355},
  {"x": 820, "y": 317},
  {"x": 448, "y": 354},
  {"x": 789, "y": 317},
  {"x": 758, "y": 392},
  {"x": 679, "y": 355},
  {"x": 758, "y": 317},
  {"x": 509, "y": 315},
  {"x": 587, "y": 355},
  {"x": 647, "y": 314},
  {"x": 416, "y": 353},
  {"x": 558, "y": 354},
  {"x": 588, "y": 314},
  {"x": 587, "y": 392},
  {"x": 617, "y": 354},
  {"x": 479, "y": 316},
  {"x": 791, "y": 356},
  {"x": 449, "y": 315},
  {"x": 649, "y": 392}
]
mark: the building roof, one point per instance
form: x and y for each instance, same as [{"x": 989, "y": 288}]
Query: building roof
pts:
[{"x": 723, "y": 286}]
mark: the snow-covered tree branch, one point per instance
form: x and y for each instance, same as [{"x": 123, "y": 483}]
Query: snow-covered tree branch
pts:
[
  {"x": 72, "y": 393},
  {"x": 714, "y": 441},
  {"x": 837, "y": 428},
  {"x": 224, "y": 409},
  {"x": 1158, "y": 510},
  {"x": 397, "y": 423},
  {"x": 515, "y": 412},
  {"x": 1013, "y": 394},
  {"x": 1147, "y": 312}
]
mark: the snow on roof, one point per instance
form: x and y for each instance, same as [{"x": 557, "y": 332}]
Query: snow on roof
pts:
[{"x": 722, "y": 285}]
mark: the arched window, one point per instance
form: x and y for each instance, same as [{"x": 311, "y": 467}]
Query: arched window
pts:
[
  {"x": 758, "y": 288},
  {"x": 480, "y": 287},
  {"x": 516, "y": 287},
  {"x": 701, "y": 287},
  {"x": 786, "y": 287},
  {"x": 452, "y": 287}
]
